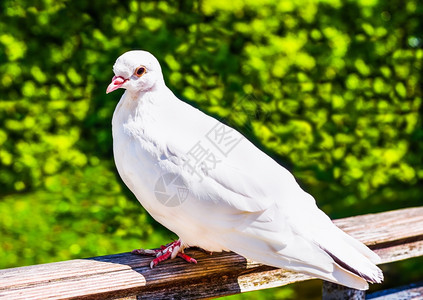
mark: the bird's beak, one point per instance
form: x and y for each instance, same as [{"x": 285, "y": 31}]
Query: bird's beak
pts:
[{"x": 116, "y": 83}]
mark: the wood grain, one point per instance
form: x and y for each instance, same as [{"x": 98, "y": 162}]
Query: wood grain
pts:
[{"x": 394, "y": 235}]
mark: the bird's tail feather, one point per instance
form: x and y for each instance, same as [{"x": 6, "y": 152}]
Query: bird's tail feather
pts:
[
  {"x": 336, "y": 257},
  {"x": 351, "y": 255},
  {"x": 335, "y": 273},
  {"x": 348, "y": 253},
  {"x": 359, "y": 246}
]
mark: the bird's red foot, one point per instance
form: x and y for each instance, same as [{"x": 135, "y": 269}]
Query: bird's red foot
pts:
[{"x": 171, "y": 250}]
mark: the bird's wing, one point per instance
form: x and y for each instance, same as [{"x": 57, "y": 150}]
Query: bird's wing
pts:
[{"x": 260, "y": 211}]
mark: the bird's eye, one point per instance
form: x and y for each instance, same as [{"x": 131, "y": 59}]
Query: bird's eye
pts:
[{"x": 140, "y": 71}]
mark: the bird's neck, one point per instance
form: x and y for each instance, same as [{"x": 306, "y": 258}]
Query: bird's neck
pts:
[
  {"x": 142, "y": 110},
  {"x": 137, "y": 103},
  {"x": 152, "y": 94}
]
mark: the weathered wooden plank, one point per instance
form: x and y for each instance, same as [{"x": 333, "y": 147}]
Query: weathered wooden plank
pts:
[
  {"x": 109, "y": 276},
  {"x": 375, "y": 229},
  {"x": 394, "y": 235},
  {"x": 399, "y": 252}
]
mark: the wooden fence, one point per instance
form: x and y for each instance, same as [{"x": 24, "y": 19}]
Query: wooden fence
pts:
[{"x": 394, "y": 235}]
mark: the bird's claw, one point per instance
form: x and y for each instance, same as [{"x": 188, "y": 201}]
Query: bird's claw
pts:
[
  {"x": 171, "y": 250},
  {"x": 187, "y": 258}
]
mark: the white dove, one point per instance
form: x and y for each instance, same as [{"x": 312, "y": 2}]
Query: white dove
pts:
[{"x": 212, "y": 187}]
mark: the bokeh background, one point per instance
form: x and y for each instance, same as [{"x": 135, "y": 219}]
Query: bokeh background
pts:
[{"x": 331, "y": 89}]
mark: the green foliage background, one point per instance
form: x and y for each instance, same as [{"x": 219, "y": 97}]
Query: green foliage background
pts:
[{"x": 331, "y": 89}]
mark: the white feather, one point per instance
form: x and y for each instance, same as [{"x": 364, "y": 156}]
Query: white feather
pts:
[{"x": 247, "y": 203}]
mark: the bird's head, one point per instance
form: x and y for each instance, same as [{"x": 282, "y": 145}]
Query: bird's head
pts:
[{"x": 136, "y": 71}]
